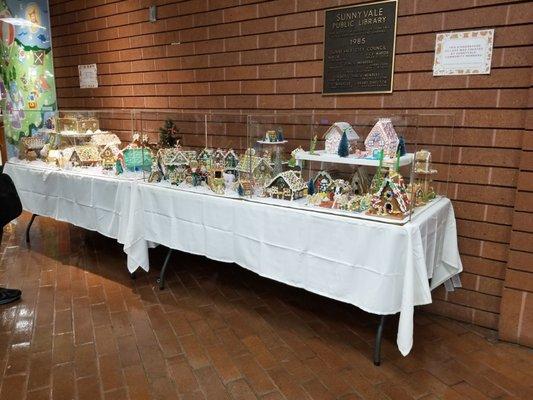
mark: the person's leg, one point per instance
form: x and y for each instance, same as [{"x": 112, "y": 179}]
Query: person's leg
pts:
[{"x": 9, "y": 295}]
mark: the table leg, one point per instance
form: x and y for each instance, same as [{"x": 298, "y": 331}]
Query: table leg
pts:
[
  {"x": 29, "y": 227},
  {"x": 377, "y": 345},
  {"x": 161, "y": 279}
]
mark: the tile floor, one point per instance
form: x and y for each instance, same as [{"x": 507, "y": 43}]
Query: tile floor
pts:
[{"x": 85, "y": 330}]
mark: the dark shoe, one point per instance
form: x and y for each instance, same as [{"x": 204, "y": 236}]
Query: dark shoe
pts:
[{"x": 9, "y": 295}]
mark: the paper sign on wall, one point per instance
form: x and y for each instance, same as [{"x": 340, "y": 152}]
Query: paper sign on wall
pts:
[
  {"x": 88, "y": 76},
  {"x": 463, "y": 53}
]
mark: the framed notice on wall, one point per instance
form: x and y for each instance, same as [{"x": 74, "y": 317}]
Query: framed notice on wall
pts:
[
  {"x": 463, "y": 53},
  {"x": 88, "y": 76},
  {"x": 359, "y": 44}
]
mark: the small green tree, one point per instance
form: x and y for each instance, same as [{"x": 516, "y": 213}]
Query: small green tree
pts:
[
  {"x": 310, "y": 187},
  {"x": 168, "y": 134},
  {"x": 344, "y": 146}
]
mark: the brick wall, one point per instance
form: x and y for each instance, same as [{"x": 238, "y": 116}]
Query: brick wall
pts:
[{"x": 250, "y": 55}]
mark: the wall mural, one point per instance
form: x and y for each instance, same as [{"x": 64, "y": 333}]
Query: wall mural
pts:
[{"x": 27, "y": 70}]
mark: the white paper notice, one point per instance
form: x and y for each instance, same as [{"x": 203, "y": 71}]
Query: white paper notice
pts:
[
  {"x": 463, "y": 53},
  {"x": 88, "y": 76}
]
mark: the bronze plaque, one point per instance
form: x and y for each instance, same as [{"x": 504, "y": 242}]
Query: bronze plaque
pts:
[{"x": 359, "y": 48}]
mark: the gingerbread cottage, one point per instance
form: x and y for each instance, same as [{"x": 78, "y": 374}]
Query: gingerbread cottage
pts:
[{"x": 382, "y": 136}]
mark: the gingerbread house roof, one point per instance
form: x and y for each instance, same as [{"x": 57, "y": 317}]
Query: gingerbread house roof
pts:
[
  {"x": 111, "y": 146},
  {"x": 206, "y": 152},
  {"x": 339, "y": 127},
  {"x": 32, "y": 142},
  {"x": 250, "y": 162},
  {"x": 176, "y": 156},
  {"x": 104, "y": 139},
  {"x": 293, "y": 180},
  {"x": 86, "y": 154}
]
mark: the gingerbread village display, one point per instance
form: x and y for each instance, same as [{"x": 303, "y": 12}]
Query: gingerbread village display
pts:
[{"x": 340, "y": 172}]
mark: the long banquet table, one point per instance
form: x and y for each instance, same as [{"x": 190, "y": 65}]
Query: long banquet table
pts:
[
  {"x": 95, "y": 202},
  {"x": 381, "y": 268}
]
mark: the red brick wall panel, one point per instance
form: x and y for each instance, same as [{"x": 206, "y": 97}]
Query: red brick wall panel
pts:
[{"x": 267, "y": 55}]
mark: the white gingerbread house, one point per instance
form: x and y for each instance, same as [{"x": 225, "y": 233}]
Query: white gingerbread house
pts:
[
  {"x": 333, "y": 137},
  {"x": 382, "y": 136}
]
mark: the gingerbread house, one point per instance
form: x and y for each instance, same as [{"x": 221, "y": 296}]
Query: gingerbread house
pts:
[
  {"x": 29, "y": 147},
  {"x": 244, "y": 187},
  {"x": 109, "y": 155},
  {"x": 206, "y": 156},
  {"x": 391, "y": 199},
  {"x": 85, "y": 156},
  {"x": 252, "y": 167},
  {"x": 382, "y": 137},
  {"x": 322, "y": 181},
  {"x": 333, "y": 137},
  {"x": 173, "y": 158},
  {"x": 286, "y": 185}
]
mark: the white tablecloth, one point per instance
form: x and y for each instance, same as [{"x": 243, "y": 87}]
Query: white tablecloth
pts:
[
  {"x": 380, "y": 268},
  {"x": 95, "y": 202}
]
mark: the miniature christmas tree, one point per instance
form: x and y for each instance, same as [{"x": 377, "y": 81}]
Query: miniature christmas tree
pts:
[
  {"x": 310, "y": 187},
  {"x": 344, "y": 146},
  {"x": 168, "y": 134},
  {"x": 401, "y": 146},
  {"x": 279, "y": 135}
]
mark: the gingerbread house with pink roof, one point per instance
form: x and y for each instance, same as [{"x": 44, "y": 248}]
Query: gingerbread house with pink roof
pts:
[{"x": 382, "y": 136}]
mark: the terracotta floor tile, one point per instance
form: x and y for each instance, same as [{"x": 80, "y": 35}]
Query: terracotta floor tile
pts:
[
  {"x": 18, "y": 359},
  {"x": 13, "y": 387},
  {"x": 40, "y": 370},
  {"x": 183, "y": 376},
  {"x": 63, "y": 348},
  {"x": 137, "y": 383},
  {"x": 85, "y": 362},
  {"x": 106, "y": 342},
  {"x": 63, "y": 382},
  {"x": 117, "y": 394},
  {"x": 85, "y": 330},
  {"x": 39, "y": 394},
  {"x": 110, "y": 372},
  {"x": 88, "y": 388}
]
